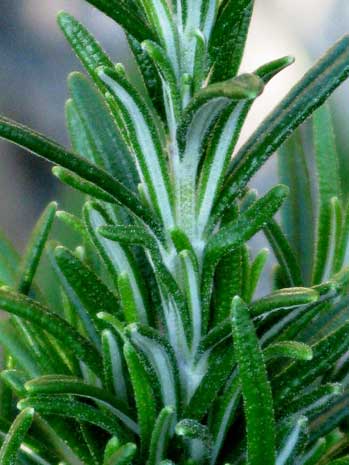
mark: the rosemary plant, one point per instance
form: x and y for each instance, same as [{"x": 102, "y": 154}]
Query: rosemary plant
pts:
[{"x": 157, "y": 350}]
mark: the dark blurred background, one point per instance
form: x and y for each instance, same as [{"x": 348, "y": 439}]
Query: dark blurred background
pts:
[{"x": 35, "y": 60}]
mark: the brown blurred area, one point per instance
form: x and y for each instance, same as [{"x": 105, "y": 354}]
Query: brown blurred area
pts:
[{"x": 35, "y": 60}]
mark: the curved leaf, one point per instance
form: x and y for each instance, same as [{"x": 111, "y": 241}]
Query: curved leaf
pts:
[{"x": 15, "y": 436}]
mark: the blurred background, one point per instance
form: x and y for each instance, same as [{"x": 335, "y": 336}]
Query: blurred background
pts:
[{"x": 35, "y": 60}]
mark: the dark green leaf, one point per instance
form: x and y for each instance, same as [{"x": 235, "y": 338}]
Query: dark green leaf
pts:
[
  {"x": 297, "y": 211},
  {"x": 303, "y": 99},
  {"x": 256, "y": 391},
  {"x": 291, "y": 272},
  {"x": 124, "y": 12},
  {"x": 144, "y": 395},
  {"x": 15, "y": 437},
  {"x": 327, "y": 168},
  {"x": 100, "y": 132},
  {"x": 35, "y": 248},
  {"x": 162, "y": 432},
  {"x": 43, "y": 147},
  {"x": 228, "y": 38},
  {"x": 39, "y": 315}
]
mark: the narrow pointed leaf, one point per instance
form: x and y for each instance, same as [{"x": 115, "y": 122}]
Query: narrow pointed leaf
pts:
[
  {"x": 312, "y": 90},
  {"x": 297, "y": 212},
  {"x": 163, "y": 430},
  {"x": 65, "y": 406},
  {"x": 39, "y": 315},
  {"x": 234, "y": 234},
  {"x": 55, "y": 384},
  {"x": 51, "y": 151},
  {"x": 286, "y": 257},
  {"x": 256, "y": 391},
  {"x": 107, "y": 147},
  {"x": 85, "y": 284},
  {"x": 144, "y": 395},
  {"x": 160, "y": 357},
  {"x": 35, "y": 248},
  {"x": 229, "y": 37},
  {"x": 285, "y": 298},
  {"x": 327, "y": 169},
  {"x": 113, "y": 366},
  {"x": 125, "y": 14},
  {"x": 146, "y": 143}
]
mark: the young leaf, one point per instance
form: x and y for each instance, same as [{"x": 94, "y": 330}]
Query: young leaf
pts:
[
  {"x": 223, "y": 413},
  {"x": 161, "y": 358},
  {"x": 117, "y": 258},
  {"x": 292, "y": 349},
  {"x": 85, "y": 285},
  {"x": 256, "y": 270},
  {"x": 162, "y": 432},
  {"x": 86, "y": 187},
  {"x": 122, "y": 456},
  {"x": 149, "y": 73},
  {"x": 15, "y": 436},
  {"x": 312, "y": 90},
  {"x": 35, "y": 248},
  {"x": 256, "y": 391}
]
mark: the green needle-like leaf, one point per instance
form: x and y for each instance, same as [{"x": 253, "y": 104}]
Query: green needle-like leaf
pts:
[
  {"x": 84, "y": 45},
  {"x": 15, "y": 437},
  {"x": 106, "y": 146},
  {"x": 144, "y": 395},
  {"x": 65, "y": 406},
  {"x": 313, "y": 89},
  {"x": 125, "y": 13},
  {"x": 234, "y": 234},
  {"x": 256, "y": 391},
  {"x": 292, "y": 349},
  {"x": 43, "y": 147},
  {"x": 39, "y": 315},
  {"x": 163, "y": 430},
  {"x": 327, "y": 167},
  {"x": 68, "y": 385},
  {"x": 35, "y": 248},
  {"x": 297, "y": 212},
  {"x": 229, "y": 37}
]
